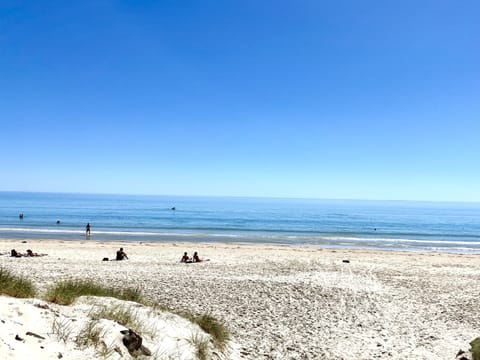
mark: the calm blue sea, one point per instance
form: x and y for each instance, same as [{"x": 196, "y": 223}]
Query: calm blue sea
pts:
[{"x": 418, "y": 226}]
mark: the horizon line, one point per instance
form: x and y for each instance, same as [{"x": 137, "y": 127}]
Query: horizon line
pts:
[{"x": 243, "y": 197}]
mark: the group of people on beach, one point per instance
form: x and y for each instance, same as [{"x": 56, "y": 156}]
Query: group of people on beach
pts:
[
  {"x": 120, "y": 255},
  {"x": 29, "y": 253},
  {"x": 193, "y": 259}
]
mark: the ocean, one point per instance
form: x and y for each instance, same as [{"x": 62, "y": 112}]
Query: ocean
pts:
[{"x": 393, "y": 225}]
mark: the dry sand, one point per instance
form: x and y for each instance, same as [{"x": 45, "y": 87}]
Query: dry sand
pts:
[{"x": 283, "y": 302}]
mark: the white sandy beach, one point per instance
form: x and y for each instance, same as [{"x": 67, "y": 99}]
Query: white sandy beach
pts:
[{"x": 283, "y": 302}]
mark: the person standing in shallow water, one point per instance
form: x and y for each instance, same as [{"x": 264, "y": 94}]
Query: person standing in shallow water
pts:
[{"x": 87, "y": 229}]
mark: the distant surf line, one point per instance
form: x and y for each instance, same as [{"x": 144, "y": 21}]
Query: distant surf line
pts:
[{"x": 288, "y": 239}]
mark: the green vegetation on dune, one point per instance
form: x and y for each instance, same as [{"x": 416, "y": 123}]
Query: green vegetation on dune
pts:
[
  {"x": 14, "y": 285},
  {"x": 65, "y": 292},
  {"x": 475, "y": 344},
  {"x": 212, "y": 326}
]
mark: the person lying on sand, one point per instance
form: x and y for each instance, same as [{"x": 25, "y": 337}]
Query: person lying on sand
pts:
[
  {"x": 31, "y": 253},
  {"x": 121, "y": 255},
  {"x": 185, "y": 258}
]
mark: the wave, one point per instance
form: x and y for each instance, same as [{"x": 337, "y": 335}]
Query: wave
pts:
[
  {"x": 41, "y": 230},
  {"x": 301, "y": 239},
  {"x": 111, "y": 232},
  {"x": 398, "y": 240},
  {"x": 264, "y": 232},
  {"x": 69, "y": 231}
]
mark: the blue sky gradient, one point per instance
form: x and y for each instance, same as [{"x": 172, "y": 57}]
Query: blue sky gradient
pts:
[{"x": 322, "y": 99}]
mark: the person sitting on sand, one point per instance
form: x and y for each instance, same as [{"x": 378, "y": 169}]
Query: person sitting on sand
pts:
[
  {"x": 14, "y": 253},
  {"x": 185, "y": 258},
  {"x": 196, "y": 258},
  {"x": 121, "y": 255},
  {"x": 31, "y": 253}
]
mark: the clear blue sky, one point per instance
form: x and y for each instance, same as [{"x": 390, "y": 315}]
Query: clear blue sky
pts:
[{"x": 324, "y": 99}]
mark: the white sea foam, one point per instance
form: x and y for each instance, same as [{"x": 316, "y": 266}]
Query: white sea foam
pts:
[
  {"x": 396, "y": 240},
  {"x": 41, "y": 230},
  {"x": 291, "y": 238},
  {"x": 109, "y": 232}
]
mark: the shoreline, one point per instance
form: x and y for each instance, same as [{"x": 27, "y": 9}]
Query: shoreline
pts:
[
  {"x": 283, "y": 301},
  {"x": 338, "y": 247}
]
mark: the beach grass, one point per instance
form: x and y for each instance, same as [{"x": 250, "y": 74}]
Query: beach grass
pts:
[
  {"x": 475, "y": 344},
  {"x": 14, "y": 285},
  {"x": 217, "y": 330},
  {"x": 123, "y": 315},
  {"x": 65, "y": 292},
  {"x": 89, "y": 335},
  {"x": 201, "y": 347},
  {"x": 62, "y": 328}
]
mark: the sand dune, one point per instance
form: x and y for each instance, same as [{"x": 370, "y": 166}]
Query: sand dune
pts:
[{"x": 31, "y": 328}]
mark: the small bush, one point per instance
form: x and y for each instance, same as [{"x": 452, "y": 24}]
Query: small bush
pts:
[
  {"x": 132, "y": 294},
  {"x": 475, "y": 344},
  {"x": 16, "y": 286},
  {"x": 65, "y": 292},
  {"x": 212, "y": 326}
]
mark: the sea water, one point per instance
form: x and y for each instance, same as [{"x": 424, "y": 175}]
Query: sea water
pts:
[{"x": 418, "y": 226}]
